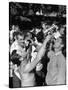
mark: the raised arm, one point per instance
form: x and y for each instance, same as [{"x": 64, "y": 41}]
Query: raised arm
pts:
[{"x": 30, "y": 66}]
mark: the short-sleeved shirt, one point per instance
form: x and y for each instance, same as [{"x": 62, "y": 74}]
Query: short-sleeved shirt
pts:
[{"x": 56, "y": 70}]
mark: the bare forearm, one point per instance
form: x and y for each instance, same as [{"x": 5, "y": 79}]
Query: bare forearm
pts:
[{"x": 39, "y": 56}]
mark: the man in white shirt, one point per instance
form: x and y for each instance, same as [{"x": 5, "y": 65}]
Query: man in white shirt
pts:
[
  {"x": 18, "y": 43},
  {"x": 16, "y": 51},
  {"x": 56, "y": 66}
]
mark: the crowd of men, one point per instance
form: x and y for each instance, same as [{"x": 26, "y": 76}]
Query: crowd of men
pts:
[{"x": 37, "y": 57}]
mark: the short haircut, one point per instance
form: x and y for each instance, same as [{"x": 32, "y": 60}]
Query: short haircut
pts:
[{"x": 17, "y": 33}]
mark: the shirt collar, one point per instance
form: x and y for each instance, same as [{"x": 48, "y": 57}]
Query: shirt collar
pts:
[{"x": 58, "y": 53}]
